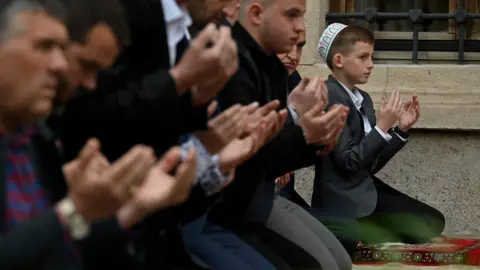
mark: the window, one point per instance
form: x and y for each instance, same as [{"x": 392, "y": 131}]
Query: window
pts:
[{"x": 418, "y": 31}]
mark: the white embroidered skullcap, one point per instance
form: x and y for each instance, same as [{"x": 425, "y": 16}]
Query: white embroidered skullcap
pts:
[{"x": 326, "y": 40}]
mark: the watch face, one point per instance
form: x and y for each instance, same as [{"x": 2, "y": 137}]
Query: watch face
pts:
[
  {"x": 67, "y": 207},
  {"x": 79, "y": 232},
  {"x": 77, "y": 226}
]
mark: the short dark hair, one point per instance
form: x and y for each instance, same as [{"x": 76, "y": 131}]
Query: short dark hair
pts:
[
  {"x": 9, "y": 10},
  {"x": 346, "y": 39},
  {"x": 83, "y": 15}
]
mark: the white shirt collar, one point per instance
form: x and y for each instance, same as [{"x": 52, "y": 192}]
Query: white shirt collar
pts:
[
  {"x": 173, "y": 12},
  {"x": 356, "y": 96},
  {"x": 177, "y": 21}
]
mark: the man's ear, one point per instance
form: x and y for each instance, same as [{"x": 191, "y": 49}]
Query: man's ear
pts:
[
  {"x": 337, "y": 60},
  {"x": 255, "y": 13}
]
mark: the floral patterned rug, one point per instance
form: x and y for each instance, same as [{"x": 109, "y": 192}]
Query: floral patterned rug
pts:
[
  {"x": 457, "y": 251},
  {"x": 398, "y": 266}
]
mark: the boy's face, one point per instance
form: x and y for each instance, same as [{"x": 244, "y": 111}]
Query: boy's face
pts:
[{"x": 357, "y": 65}]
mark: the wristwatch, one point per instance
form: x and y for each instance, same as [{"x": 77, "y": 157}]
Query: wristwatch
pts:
[{"x": 76, "y": 224}]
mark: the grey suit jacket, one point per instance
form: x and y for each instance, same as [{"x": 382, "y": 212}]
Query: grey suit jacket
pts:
[{"x": 343, "y": 184}]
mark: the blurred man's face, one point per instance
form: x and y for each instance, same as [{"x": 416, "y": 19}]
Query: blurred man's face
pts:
[
  {"x": 280, "y": 24},
  {"x": 32, "y": 61},
  {"x": 292, "y": 59},
  {"x": 86, "y": 59},
  {"x": 231, "y": 10},
  {"x": 205, "y": 11}
]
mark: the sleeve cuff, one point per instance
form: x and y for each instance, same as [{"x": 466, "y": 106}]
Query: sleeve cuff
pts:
[
  {"x": 203, "y": 157},
  {"x": 213, "y": 180},
  {"x": 208, "y": 175},
  {"x": 294, "y": 114},
  {"x": 400, "y": 137},
  {"x": 385, "y": 135},
  {"x": 401, "y": 134}
]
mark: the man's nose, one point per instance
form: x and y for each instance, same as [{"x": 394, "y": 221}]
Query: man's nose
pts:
[
  {"x": 299, "y": 26},
  {"x": 294, "y": 54},
  {"x": 58, "y": 63}
]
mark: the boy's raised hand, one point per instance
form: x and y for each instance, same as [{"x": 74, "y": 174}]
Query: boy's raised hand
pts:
[{"x": 389, "y": 112}]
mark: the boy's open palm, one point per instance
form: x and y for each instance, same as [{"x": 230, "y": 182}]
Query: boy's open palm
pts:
[
  {"x": 410, "y": 114},
  {"x": 389, "y": 112}
]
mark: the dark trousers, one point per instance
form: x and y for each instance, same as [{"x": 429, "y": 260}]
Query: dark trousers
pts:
[
  {"x": 219, "y": 248},
  {"x": 261, "y": 240},
  {"x": 396, "y": 218}
]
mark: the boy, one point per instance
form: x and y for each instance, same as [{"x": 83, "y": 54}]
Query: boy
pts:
[{"x": 346, "y": 192}]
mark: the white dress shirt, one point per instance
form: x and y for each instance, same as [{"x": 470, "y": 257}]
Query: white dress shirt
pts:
[
  {"x": 208, "y": 175},
  {"x": 177, "y": 21},
  {"x": 293, "y": 113}
]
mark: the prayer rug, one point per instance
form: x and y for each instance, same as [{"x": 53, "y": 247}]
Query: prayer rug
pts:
[
  {"x": 398, "y": 266},
  {"x": 444, "y": 251}
]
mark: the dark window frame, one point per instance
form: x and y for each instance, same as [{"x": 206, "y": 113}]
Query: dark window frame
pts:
[{"x": 416, "y": 16}]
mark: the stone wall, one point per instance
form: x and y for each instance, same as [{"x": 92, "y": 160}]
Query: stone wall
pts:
[
  {"x": 439, "y": 168},
  {"x": 449, "y": 94}
]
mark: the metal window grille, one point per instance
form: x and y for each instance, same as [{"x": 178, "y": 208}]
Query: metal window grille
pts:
[{"x": 417, "y": 16}]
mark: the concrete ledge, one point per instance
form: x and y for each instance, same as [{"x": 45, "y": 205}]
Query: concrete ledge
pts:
[{"x": 449, "y": 94}]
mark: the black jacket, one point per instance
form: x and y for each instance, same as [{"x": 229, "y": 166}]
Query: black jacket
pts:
[
  {"x": 135, "y": 100},
  {"x": 344, "y": 184},
  {"x": 38, "y": 243},
  {"x": 136, "y": 103},
  {"x": 261, "y": 78}
]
